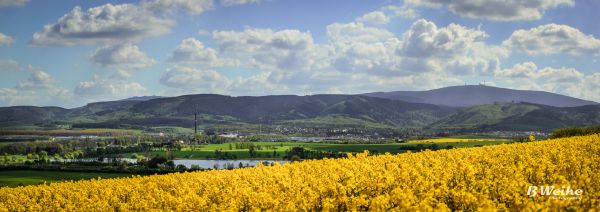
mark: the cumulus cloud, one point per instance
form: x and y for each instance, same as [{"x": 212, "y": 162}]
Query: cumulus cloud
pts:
[
  {"x": 100, "y": 88},
  {"x": 425, "y": 39},
  {"x": 564, "y": 80},
  {"x": 193, "y": 52},
  {"x": 591, "y": 87},
  {"x": 6, "y": 40},
  {"x": 425, "y": 47},
  {"x": 102, "y": 25},
  {"x": 356, "y": 52},
  {"x": 123, "y": 57},
  {"x": 356, "y": 57},
  {"x": 469, "y": 66},
  {"x": 402, "y": 11},
  {"x": 11, "y": 3},
  {"x": 343, "y": 33},
  {"x": 40, "y": 88},
  {"x": 374, "y": 58},
  {"x": 267, "y": 49},
  {"x": 110, "y": 24},
  {"x": 552, "y": 39},
  {"x": 374, "y": 18},
  {"x": 229, "y": 3},
  {"x": 549, "y": 75},
  {"x": 193, "y": 7},
  {"x": 198, "y": 80},
  {"x": 183, "y": 80},
  {"x": 496, "y": 10},
  {"x": 9, "y": 66},
  {"x": 37, "y": 80}
]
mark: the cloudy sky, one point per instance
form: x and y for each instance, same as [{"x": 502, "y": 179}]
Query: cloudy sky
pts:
[{"x": 68, "y": 53}]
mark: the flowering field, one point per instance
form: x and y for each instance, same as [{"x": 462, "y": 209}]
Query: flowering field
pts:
[{"x": 493, "y": 177}]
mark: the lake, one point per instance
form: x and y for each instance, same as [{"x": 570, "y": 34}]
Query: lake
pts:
[
  {"x": 222, "y": 164},
  {"x": 204, "y": 164}
]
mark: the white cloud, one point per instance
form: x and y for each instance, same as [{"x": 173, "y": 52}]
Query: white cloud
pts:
[
  {"x": 591, "y": 87},
  {"x": 10, "y": 3},
  {"x": 469, "y": 66},
  {"x": 193, "y": 52},
  {"x": 375, "y": 58},
  {"x": 37, "y": 80},
  {"x": 553, "y": 39},
  {"x": 9, "y": 66},
  {"x": 6, "y": 40},
  {"x": 425, "y": 47},
  {"x": 38, "y": 89},
  {"x": 548, "y": 75},
  {"x": 192, "y": 7},
  {"x": 266, "y": 49},
  {"x": 357, "y": 57},
  {"x": 197, "y": 80},
  {"x": 374, "y": 18},
  {"x": 339, "y": 33},
  {"x": 496, "y": 10},
  {"x": 123, "y": 57},
  {"x": 229, "y": 3},
  {"x": 402, "y": 11},
  {"x": 111, "y": 24},
  {"x": 563, "y": 80},
  {"x": 102, "y": 89},
  {"x": 104, "y": 24},
  {"x": 425, "y": 39}
]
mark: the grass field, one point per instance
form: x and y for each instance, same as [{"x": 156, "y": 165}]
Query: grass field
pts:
[
  {"x": 13, "y": 178},
  {"x": 458, "y": 140},
  {"x": 280, "y": 147}
]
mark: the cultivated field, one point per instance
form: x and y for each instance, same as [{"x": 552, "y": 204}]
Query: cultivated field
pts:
[
  {"x": 491, "y": 177},
  {"x": 13, "y": 178},
  {"x": 267, "y": 148}
]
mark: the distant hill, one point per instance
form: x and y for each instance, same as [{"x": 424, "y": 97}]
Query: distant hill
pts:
[
  {"x": 10, "y": 116},
  {"x": 472, "y": 95},
  {"x": 271, "y": 109},
  {"x": 141, "y": 98},
  {"x": 519, "y": 117},
  {"x": 179, "y": 111},
  {"x": 329, "y": 110}
]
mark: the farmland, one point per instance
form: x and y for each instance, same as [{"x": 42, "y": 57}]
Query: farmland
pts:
[
  {"x": 268, "y": 148},
  {"x": 13, "y": 178},
  {"x": 490, "y": 177}
]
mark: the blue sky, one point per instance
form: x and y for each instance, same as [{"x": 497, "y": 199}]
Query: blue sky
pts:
[{"x": 68, "y": 53}]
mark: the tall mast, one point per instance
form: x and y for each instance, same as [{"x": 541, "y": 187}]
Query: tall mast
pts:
[{"x": 195, "y": 123}]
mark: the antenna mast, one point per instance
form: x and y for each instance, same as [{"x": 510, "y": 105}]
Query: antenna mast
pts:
[{"x": 195, "y": 123}]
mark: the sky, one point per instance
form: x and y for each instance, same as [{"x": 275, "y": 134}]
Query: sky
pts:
[{"x": 68, "y": 53}]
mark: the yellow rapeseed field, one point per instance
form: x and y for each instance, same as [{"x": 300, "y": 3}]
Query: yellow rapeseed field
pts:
[{"x": 492, "y": 177}]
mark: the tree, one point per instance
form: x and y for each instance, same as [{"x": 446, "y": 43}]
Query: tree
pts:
[{"x": 251, "y": 151}]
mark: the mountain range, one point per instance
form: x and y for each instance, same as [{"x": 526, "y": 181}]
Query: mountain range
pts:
[
  {"x": 459, "y": 108},
  {"x": 472, "y": 95}
]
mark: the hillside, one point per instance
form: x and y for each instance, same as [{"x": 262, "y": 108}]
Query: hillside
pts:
[
  {"x": 472, "y": 95},
  {"x": 519, "y": 117},
  {"x": 10, "y": 116},
  {"x": 314, "y": 111},
  {"x": 272, "y": 109},
  {"x": 179, "y": 111}
]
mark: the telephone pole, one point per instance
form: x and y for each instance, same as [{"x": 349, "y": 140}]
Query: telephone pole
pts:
[{"x": 195, "y": 123}]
